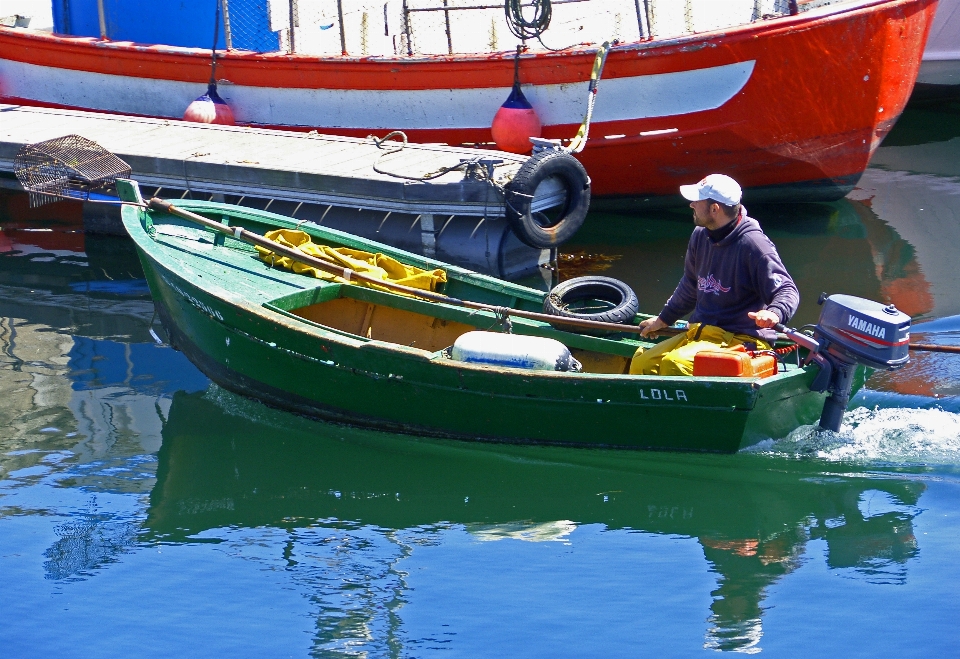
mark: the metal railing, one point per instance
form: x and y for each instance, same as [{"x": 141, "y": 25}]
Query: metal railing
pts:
[{"x": 329, "y": 27}]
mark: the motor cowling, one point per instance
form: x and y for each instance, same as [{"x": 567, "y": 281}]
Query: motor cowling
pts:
[
  {"x": 864, "y": 331},
  {"x": 852, "y": 331}
]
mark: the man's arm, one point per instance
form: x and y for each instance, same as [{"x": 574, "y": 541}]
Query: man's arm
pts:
[
  {"x": 764, "y": 318},
  {"x": 777, "y": 290},
  {"x": 650, "y": 328},
  {"x": 684, "y": 298}
]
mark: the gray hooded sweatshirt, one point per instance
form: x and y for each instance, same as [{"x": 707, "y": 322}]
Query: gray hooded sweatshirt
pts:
[{"x": 723, "y": 281}]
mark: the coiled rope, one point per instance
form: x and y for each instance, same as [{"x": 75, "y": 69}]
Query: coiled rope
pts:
[{"x": 522, "y": 27}]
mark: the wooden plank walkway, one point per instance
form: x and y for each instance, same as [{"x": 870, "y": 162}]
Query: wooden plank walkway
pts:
[{"x": 300, "y": 167}]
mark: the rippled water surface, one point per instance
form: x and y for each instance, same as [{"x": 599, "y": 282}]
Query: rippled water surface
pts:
[{"x": 146, "y": 512}]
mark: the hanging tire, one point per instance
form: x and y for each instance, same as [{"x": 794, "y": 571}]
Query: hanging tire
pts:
[
  {"x": 597, "y": 298},
  {"x": 555, "y": 226}
]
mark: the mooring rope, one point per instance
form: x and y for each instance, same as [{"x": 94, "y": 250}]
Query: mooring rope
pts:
[
  {"x": 580, "y": 139},
  {"x": 466, "y": 164}
]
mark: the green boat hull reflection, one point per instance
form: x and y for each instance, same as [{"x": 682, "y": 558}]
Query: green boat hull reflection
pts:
[{"x": 229, "y": 463}]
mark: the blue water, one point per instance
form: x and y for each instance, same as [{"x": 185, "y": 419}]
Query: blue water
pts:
[
  {"x": 253, "y": 533},
  {"x": 146, "y": 512}
]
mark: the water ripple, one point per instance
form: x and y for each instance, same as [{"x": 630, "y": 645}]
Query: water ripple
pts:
[{"x": 888, "y": 436}]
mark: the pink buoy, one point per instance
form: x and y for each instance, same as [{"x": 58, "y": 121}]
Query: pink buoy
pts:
[
  {"x": 515, "y": 123},
  {"x": 210, "y": 109}
]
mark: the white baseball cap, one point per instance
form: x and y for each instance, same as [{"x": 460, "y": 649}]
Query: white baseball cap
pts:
[{"x": 718, "y": 187}]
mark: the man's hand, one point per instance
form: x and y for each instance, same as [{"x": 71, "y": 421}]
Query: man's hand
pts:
[
  {"x": 764, "y": 318},
  {"x": 650, "y": 328}
]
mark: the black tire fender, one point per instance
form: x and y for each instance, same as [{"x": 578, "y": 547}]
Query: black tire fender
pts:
[
  {"x": 613, "y": 291},
  {"x": 531, "y": 227}
]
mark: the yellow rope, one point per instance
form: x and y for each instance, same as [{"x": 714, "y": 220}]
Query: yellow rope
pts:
[{"x": 580, "y": 140}]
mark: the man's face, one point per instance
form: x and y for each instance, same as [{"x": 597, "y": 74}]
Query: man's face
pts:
[{"x": 701, "y": 212}]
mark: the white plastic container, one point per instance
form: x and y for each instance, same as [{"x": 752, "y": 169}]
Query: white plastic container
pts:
[{"x": 513, "y": 351}]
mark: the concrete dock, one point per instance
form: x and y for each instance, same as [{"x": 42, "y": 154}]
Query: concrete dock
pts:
[
  {"x": 275, "y": 164},
  {"x": 313, "y": 177}
]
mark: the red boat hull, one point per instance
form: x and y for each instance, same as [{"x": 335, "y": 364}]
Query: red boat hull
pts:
[{"x": 791, "y": 107}]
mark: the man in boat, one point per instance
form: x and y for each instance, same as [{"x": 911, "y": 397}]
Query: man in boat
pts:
[{"x": 733, "y": 281}]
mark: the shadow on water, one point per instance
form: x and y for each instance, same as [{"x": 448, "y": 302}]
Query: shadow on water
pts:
[
  {"x": 47, "y": 248},
  {"x": 925, "y": 121},
  {"x": 226, "y": 462},
  {"x": 88, "y": 543}
]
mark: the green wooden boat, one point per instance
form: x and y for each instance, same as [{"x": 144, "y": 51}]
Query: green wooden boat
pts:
[{"x": 351, "y": 354}]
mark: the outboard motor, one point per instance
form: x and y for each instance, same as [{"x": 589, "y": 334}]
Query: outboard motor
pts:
[{"x": 852, "y": 331}]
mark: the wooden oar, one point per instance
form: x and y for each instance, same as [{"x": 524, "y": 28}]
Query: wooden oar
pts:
[
  {"x": 932, "y": 347},
  {"x": 72, "y": 165},
  {"x": 351, "y": 275}
]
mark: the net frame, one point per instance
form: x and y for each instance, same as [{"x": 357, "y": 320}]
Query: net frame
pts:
[{"x": 68, "y": 167}]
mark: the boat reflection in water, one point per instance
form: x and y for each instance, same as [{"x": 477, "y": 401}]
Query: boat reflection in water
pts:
[
  {"x": 913, "y": 187},
  {"x": 347, "y": 498},
  {"x": 81, "y": 380}
]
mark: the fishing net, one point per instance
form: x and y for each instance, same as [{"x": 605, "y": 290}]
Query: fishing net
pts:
[{"x": 70, "y": 167}]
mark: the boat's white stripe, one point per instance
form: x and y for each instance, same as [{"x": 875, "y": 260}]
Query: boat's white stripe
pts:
[{"x": 661, "y": 95}]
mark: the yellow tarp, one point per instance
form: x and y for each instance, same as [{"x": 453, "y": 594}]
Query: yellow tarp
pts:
[
  {"x": 379, "y": 266},
  {"x": 675, "y": 355}
]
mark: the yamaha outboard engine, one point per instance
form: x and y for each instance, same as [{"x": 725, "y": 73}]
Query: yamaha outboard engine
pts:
[{"x": 852, "y": 331}]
